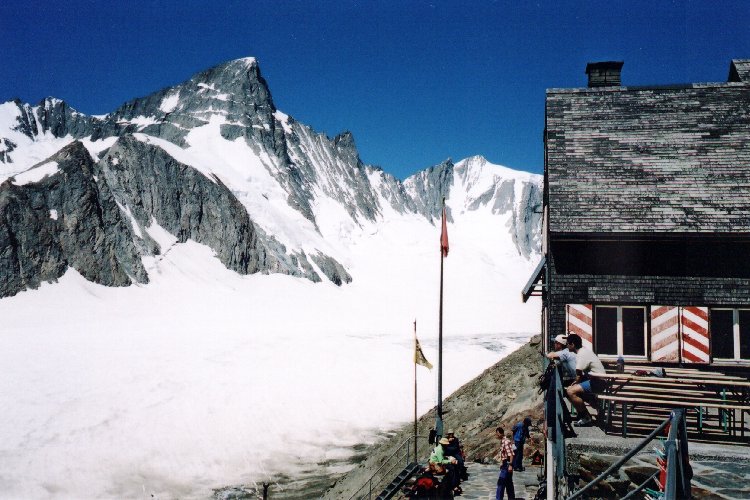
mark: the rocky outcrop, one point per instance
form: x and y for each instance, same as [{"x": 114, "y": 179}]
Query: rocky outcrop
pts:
[
  {"x": 66, "y": 218},
  {"x": 154, "y": 187},
  {"x": 332, "y": 269},
  {"x": 429, "y": 187},
  {"x": 95, "y": 218},
  {"x": 55, "y": 117},
  {"x": 527, "y": 220}
]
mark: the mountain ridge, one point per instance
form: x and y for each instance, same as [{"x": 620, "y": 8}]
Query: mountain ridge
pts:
[{"x": 304, "y": 195}]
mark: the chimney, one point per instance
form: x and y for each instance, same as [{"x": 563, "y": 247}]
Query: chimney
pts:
[
  {"x": 604, "y": 74},
  {"x": 739, "y": 70}
]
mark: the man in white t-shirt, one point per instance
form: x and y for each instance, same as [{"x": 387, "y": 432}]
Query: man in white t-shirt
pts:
[{"x": 587, "y": 363}]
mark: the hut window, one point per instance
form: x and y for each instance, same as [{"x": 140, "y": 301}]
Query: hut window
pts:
[
  {"x": 730, "y": 333},
  {"x": 620, "y": 331}
]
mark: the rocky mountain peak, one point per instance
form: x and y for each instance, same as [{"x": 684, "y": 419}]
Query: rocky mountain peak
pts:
[
  {"x": 344, "y": 140},
  {"x": 239, "y": 81}
]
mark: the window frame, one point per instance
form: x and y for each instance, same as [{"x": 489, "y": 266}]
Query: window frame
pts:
[
  {"x": 620, "y": 333},
  {"x": 736, "y": 343}
]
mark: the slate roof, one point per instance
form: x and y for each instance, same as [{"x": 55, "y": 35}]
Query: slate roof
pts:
[{"x": 650, "y": 160}]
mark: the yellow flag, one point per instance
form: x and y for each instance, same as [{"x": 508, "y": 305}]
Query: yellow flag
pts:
[{"x": 419, "y": 357}]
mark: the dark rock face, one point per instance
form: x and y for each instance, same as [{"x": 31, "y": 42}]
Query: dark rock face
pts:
[
  {"x": 331, "y": 268},
  {"x": 429, "y": 187},
  {"x": 527, "y": 220},
  {"x": 151, "y": 184},
  {"x": 53, "y": 116},
  {"x": 66, "y": 219}
]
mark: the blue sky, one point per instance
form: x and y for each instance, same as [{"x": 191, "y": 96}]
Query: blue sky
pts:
[{"x": 416, "y": 82}]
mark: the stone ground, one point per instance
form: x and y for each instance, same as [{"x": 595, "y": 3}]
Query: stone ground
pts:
[{"x": 482, "y": 482}]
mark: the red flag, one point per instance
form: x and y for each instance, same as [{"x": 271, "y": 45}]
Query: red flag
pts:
[{"x": 444, "y": 236}]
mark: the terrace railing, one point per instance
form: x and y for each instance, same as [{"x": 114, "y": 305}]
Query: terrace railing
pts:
[
  {"x": 677, "y": 475},
  {"x": 555, "y": 431}
]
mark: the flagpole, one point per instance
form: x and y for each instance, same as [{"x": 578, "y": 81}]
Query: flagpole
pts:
[
  {"x": 415, "y": 391},
  {"x": 439, "y": 423}
]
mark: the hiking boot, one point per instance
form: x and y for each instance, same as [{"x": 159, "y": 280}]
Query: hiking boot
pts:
[{"x": 584, "y": 422}]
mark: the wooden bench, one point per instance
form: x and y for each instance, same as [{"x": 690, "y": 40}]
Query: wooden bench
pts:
[{"x": 728, "y": 395}]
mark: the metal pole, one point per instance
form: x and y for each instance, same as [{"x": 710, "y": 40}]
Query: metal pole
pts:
[
  {"x": 415, "y": 391},
  {"x": 670, "y": 449},
  {"x": 440, "y": 345},
  {"x": 684, "y": 456},
  {"x": 633, "y": 493},
  {"x": 549, "y": 462},
  {"x": 439, "y": 423}
]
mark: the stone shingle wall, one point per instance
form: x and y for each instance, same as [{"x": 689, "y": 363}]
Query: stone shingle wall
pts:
[{"x": 644, "y": 290}]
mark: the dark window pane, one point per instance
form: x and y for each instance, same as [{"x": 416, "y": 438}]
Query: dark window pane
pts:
[
  {"x": 745, "y": 334},
  {"x": 606, "y": 330},
  {"x": 722, "y": 335},
  {"x": 633, "y": 341}
]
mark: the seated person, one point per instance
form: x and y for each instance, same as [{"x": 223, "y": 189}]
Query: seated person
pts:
[
  {"x": 438, "y": 459},
  {"x": 453, "y": 449},
  {"x": 440, "y": 463},
  {"x": 567, "y": 359},
  {"x": 587, "y": 363}
]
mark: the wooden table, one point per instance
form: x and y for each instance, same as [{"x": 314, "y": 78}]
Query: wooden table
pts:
[{"x": 728, "y": 394}]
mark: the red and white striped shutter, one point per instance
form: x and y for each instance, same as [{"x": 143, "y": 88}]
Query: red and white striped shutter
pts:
[
  {"x": 695, "y": 336},
  {"x": 580, "y": 321},
  {"x": 665, "y": 338}
]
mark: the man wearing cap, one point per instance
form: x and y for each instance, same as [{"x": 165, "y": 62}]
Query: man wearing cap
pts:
[{"x": 566, "y": 357}]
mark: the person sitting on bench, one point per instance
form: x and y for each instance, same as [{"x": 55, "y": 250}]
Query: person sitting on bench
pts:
[
  {"x": 453, "y": 449},
  {"x": 440, "y": 463},
  {"x": 567, "y": 359},
  {"x": 587, "y": 363}
]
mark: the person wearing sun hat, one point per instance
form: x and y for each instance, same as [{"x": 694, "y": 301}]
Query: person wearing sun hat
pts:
[
  {"x": 438, "y": 456},
  {"x": 567, "y": 359},
  {"x": 440, "y": 463}
]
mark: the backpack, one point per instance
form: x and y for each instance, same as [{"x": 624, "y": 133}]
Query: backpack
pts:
[
  {"x": 424, "y": 487},
  {"x": 545, "y": 379}
]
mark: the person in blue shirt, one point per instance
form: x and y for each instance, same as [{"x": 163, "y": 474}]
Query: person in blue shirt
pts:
[
  {"x": 520, "y": 433},
  {"x": 567, "y": 359}
]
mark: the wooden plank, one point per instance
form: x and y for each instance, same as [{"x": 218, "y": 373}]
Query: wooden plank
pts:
[
  {"x": 687, "y": 373},
  {"x": 694, "y": 400},
  {"x": 704, "y": 381},
  {"x": 674, "y": 404}
]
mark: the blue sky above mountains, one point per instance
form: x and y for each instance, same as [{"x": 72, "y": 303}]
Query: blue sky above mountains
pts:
[{"x": 416, "y": 82}]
